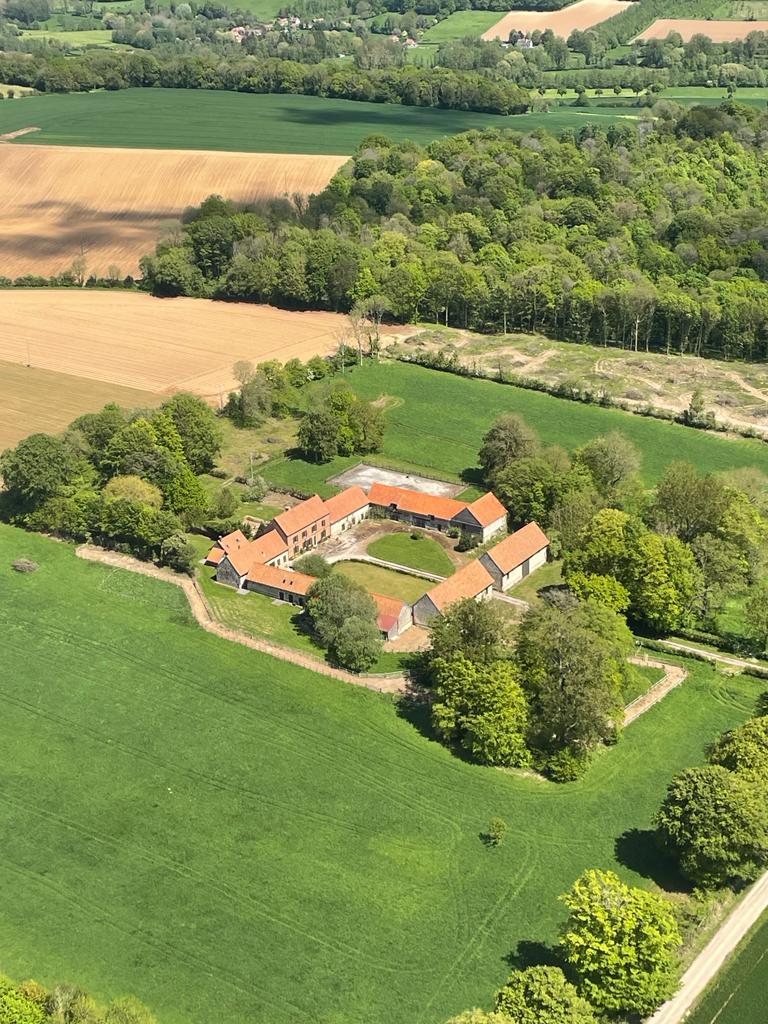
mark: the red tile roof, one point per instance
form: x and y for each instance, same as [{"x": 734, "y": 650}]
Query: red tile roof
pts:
[
  {"x": 281, "y": 579},
  {"x": 238, "y": 550},
  {"x": 389, "y": 609},
  {"x": 214, "y": 556},
  {"x": 521, "y": 544},
  {"x": 301, "y": 516},
  {"x": 346, "y": 503},
  {"x": 487, "y": 510},
  {"x": 268, "y": 546},
  {"x": 415, "y": 502},
  {"x": 233, "y": 541},
  {"x": 469, "y": 581}
]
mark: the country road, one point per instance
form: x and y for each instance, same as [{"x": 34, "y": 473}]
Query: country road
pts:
[{"x": 714, "y": 955}]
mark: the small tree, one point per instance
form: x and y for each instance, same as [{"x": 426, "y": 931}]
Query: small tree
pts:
[
  {"x": 744, "y": 750},
  {"x": 542, "y": 995},
  {"x": 178, "y": 553},
  {"x": 475, "y": 630},
  {"x": 497, "y": 829},
  {"x": 621, "y": 943},
  {"x": 358, "y": 644},
  {"x": 333, "y": 600},
  {"x": 134, "y": 489},
  {"x": 243, "y": 371},
  {"x": 756, "y": 614},
  {"x": 313, "y": 565},
  {"x": 318, "y": 436},
  {"x": 509, "y": 438}
]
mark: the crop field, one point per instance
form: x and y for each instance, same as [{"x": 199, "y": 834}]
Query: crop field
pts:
[
  {"x": 418, "y": 430},
  {"x": 717, "y": 31},
  {"x": 233, "y": 838},
  {"x": 33, "y": 400},
  {"x": 459, "y": 25},
  {"x": 232, "y": 121},
  {"x": 111, "y": 204},
  {"x": 158, "y": 345},
  {"x": 738, "y": 993},
  {"x": 581, "y": 15}
]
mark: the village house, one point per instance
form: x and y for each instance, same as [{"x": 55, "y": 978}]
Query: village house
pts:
[
  {"x": 516, "y": 556},
  {"x": 483, "y": 518},
  {"x": 346, "y": 509},
  {"x": 472, "y": 581},
  {"x": 304, "y": 526}
]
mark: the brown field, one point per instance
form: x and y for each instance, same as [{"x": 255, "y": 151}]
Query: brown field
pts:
[
  {"x": 581, "y": 15},
  {"x": 34, "y": 400},
  {"x": 132, "y": 340},
  {"x": 111, "y": 203},
  {"x": 717, "y": 31}
]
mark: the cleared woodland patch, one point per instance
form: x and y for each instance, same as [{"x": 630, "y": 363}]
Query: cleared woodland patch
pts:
[
  {"x": 110, "y": 204},
  {"x": 717, "y": 31},
  {"x": 581, "y": 15}
]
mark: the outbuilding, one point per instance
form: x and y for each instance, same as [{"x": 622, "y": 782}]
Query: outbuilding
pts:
[
  {"x": 516, "y": 556},
  {"x": 472, "y": 581}
]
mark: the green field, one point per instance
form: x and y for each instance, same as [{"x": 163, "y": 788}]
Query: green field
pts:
[
  {"x": 738, "y": 994},
  {"x": 460, "y": 25},
  {"x": 91, "y": 37},
  {"x": 418, "y": 428},
  {"x": 417, "y": 552},
  {"x": 388, "y": 582},
  {"x": 202, "y": 119},
  {"x": 232, "y": 839}
]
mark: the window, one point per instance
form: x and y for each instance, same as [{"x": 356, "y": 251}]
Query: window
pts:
[
  {"x": 314, "y": 528},
  {"x": 303, "y": 534}
]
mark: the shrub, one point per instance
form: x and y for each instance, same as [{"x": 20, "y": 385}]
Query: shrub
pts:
[{"x": 497, "y": 829}]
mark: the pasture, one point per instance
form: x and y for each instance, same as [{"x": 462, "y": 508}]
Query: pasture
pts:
[
  {"x": 233, "y": 838},
  {"x": 581, "y": 15},
  {"x": 419, "y": 430},
  {"x": 737, "y": 995},
  {"x": 717, "y": 31},
  {"x": 33, "y": 400},
  {"x": 72, "y": 39},
  {"x": 159, "y": 345},
  {"x": 459, "y": 25},
  {"x": 111, "y": 204}
]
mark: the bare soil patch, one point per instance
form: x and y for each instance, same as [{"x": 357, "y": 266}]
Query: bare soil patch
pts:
[
  {"x": 9, "y": 136},
  {"x": 581, "y": 15},
  {"x": 33, "y": 400},
  {"x": 717, "y": 31},
  {"x": 365, "y": 475},
  {"x": 158, "y": 345},
  {"x": 59, "y": 201}
]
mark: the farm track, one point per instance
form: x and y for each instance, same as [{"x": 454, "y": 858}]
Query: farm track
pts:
[{"x": 395, "y": 683}]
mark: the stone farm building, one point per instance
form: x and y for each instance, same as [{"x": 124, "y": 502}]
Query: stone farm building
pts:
[{"x": 263, "y": 565}]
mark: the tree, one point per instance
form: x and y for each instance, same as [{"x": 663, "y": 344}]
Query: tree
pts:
[
  {"x": 756, "y": 613},
  {"x": 128, "y": 1011},
  {"x": 724, "y": 569},
  {"x": 688, "y": 504},
  {"x": 715, "y": 823},
  {"x": 366, "y": 421},
  {"x": 744, "y": 750},
  {"x": 98, "y": 428},
  {"x": 249, "y": 406},
  {"x": 479, "y": 1017},
  {"x": 17, "y": 1008},
  {"x": 198, "y": 429},
  {"x": 475, "y": 630},
  {"x": 313, "y": 565},
  {"x": 509, "y": 438},
  {"x": 621, "y": 943},
  {"x": 334, "y": 599},
  {"x": 318, "y": 436},
  {"x": 243, "y": 371},
  {"x": 38, "y": 467},
  {"x": 134, "y": 489},
  {"x": 542, "y": 995},
  {"x": 358, "y": 643},
  {"x": 572, "y": 664},
  {"x": 482, "y": 707},
  {"x": 177, "y": 553},
  {"x": 612, "y": 460}
]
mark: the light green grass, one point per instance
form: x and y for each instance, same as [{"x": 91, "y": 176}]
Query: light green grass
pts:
[
  {"x": 644, "y": 679},
  {"x": 234, "y": 839},
  {"x": 423, "y": 553},
  {"x": 460, "y": 25},
  {"x": 738, "y": 994},
  {"x": 265, "y": 9},
  {"x": 418, "y": 426},
  {"x": 90, "y": 37},
  {"x": 388, "y": 582},
  {"x": 548, "y": 575}
]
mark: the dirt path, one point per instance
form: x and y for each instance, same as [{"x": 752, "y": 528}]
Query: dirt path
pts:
[
  {"x": 715, "y": 953},
  {"x": 673, "y": 676},
  {"x": 721, "y": 659},
  {"x": 9, "y": 136},
  {"x": 761, "y": 396},
  {"x": 204, "y": 617}
]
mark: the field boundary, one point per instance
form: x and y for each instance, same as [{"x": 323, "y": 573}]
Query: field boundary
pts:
[{"x": 201, "y": 611}]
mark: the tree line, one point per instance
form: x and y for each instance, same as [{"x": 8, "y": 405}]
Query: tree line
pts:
[
  {"x": 650, "y": 237},
  {"x": 32, "y": 1003}
]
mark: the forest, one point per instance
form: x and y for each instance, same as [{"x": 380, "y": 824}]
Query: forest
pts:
[{"x": 652, "y": 236}]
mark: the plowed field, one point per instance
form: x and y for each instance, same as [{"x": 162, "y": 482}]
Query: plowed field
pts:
[
  {"x": 581, "y": 15},
  {"x": 110, "y": 204},
  {"x": 158, "y": 345}
]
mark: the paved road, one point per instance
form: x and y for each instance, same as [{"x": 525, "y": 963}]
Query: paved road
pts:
[{"x": 715, "y": 953}]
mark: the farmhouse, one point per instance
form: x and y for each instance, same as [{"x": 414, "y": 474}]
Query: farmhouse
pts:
[
  {"x": 346, "y": 509},
  {"x": 304, "y": 526},
  {"x": 281, "y": 584},
  {"x": 473, "y": 581},
  {"x": 484, "y": 518},
  {"x": 516, "y": 556}
]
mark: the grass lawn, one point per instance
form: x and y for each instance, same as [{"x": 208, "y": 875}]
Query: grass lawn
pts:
[
  {"x": 645, "y": 677},
  {"x": 738, "y": 994},
  {"x": 387, "y": 582},
  {"x": 548, "y": 575},
  {"x": 421, "y": 553},
  {"x": 417, "y": 425},
  {"x": 89, "y": 37},
  {"x": 460, "y": 25},
  {"x": 232, "y": 838}
]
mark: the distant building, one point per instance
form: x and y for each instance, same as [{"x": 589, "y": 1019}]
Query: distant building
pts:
[{"x": 483, "y": 518}]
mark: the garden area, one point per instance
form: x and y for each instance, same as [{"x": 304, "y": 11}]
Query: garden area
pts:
[{"x": 415, "y": 549}]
